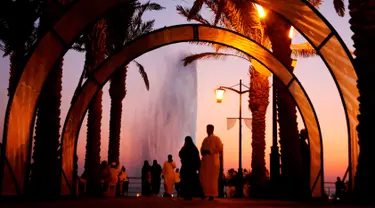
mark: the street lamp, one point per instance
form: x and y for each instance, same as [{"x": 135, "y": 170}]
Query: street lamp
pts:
[
  {"x": 260, "y": 10},
  {"x": 219, "y": 95},
  {"x": 294, "y": 63},
  {"x": 219, "y": 98}
]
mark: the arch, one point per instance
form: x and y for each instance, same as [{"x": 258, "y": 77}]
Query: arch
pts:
[
  {"x": 16, "y": 151},
  {"x": 331, "y": 48},
  {"x": 178, "y": 34},
  {"x": 21, "y": 107}
]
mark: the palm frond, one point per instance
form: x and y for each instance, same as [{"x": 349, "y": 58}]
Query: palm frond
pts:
[
  {"x": 209, "y": 55},
  {"x": 303, "y": 50},
  {"x": 153, "y": 6},
  {"x": 315, "y": 3},
  {"x": 339, "y": 7},
  {"x": 197, "y": 6},
  {"x": 197, "y": 17},
  {"x": 79, "y": 48},
  {"x": 220, "y": 9},
  {"x": 143, "y": 74}
]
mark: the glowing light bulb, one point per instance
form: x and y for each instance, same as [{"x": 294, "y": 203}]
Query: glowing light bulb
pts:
[
  {"x": 291, "y": 32},
  {"x": 260, "y": 10},
  {"x": 138, "y": 195}
]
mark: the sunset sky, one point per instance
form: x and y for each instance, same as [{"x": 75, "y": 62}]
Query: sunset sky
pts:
[{"x": 312, "y": 73}]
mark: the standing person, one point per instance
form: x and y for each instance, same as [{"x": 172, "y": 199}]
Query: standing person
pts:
[
  {"x": 105, "y": 176},
  {"x": 340, "y": 187},
  {"x": 115, "y": 172},
  {"x": 146, "y": 179},
  {"x": 177, "y": 183},
  {"x": 305, "y": 153},
  {"x": 210, "y": 166},
  {"x": 190, "y": 163},
  {"x": 155, "y": 177},
  {"x": 168, "y": 176},
  {"x": 124, "y": 182}
]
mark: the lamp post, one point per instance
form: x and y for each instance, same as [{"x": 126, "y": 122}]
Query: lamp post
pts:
[{"x": 219, "y": 98}]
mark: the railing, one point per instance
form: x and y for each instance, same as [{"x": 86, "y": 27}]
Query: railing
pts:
[
  {"x": 330, "y": 188},
  {"x": 135, "y": 187}
]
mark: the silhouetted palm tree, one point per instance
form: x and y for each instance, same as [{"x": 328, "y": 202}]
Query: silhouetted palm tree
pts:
[
  {"x": 124, "y": 25},
  {"x": 46, "y": 171},
  {"x": 362, "y": 25},
  {"x": 17, "y": 34}
]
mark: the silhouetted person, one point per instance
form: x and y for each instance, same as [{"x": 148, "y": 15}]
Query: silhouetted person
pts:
[
  {"x": 340, "y": 187},
  {"x": 146, "y": 179},
  {"x": 105, "y": 176},
  {"x": 190, "y": 163},
  {"x": 177, "y": 183},
  {"x": 155, "y": 177},
  {"x": 305, "y": 152},
  {"x": 124, "y": 182},
  {"x": 239, "y": 183},
  {"x": 169, "y": 176},
  {"x": 210, "y": 167},
  {"x": 115, "y": 172},
  {"x": 231, "y": 183}
]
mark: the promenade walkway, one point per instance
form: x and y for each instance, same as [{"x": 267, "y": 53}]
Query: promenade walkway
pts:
[{"x": 156, "y": 202}]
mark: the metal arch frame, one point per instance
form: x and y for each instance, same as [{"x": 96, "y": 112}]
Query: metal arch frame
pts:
[
  {"x": 75, "y": 33},
  {"x": 195, "y": 27},
  {"x": 334, "y": 33},
  {"x": 64, "y": 41}
]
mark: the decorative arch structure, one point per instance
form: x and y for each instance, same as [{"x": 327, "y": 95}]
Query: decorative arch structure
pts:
[
  {"x": 336, "y": 56},
  {"x": 21, "y": 109},
  {"x": 178, "y": 34}
]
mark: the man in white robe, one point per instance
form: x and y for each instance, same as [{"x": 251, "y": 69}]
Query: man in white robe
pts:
[
  {"x": 169, "y": 176},
  {"x": 210, "y": 165}
]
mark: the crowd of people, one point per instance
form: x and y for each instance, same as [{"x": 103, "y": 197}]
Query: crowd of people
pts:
[
  {"x": 197, "y": 177},
  {"x": 114, "y": 181}
]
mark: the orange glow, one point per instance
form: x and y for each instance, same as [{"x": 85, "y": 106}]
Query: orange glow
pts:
[
  {"x": 294, "y": 63},
  {"x": 219, "y": 95},
  {"x": 291, "y": 32},
  {"x": 260, "y": 10}
]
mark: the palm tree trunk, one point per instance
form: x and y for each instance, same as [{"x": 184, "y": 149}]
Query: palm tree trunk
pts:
[
  {"x": 258, "y": 102},
  {"x": 278, "y": 29},
  {"x": 117, "y": 92},
  {"x": 362, "y": 25},
  {"x": 46, "y": 170},
  {"x": 95, "y": 54}
]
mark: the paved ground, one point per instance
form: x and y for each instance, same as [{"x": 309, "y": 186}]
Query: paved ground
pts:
[{"x": 164, "y": 202}]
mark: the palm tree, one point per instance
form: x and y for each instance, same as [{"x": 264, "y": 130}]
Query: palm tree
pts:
[
  {"x": 46, "y": 166},
  {"x": 277, "y": 29},
  {"x": 361, "y": 21},
  {"x": 124, "y": 25},
  {"x": 17, "y": 34},
  {"x": 95, "y": 46}
]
